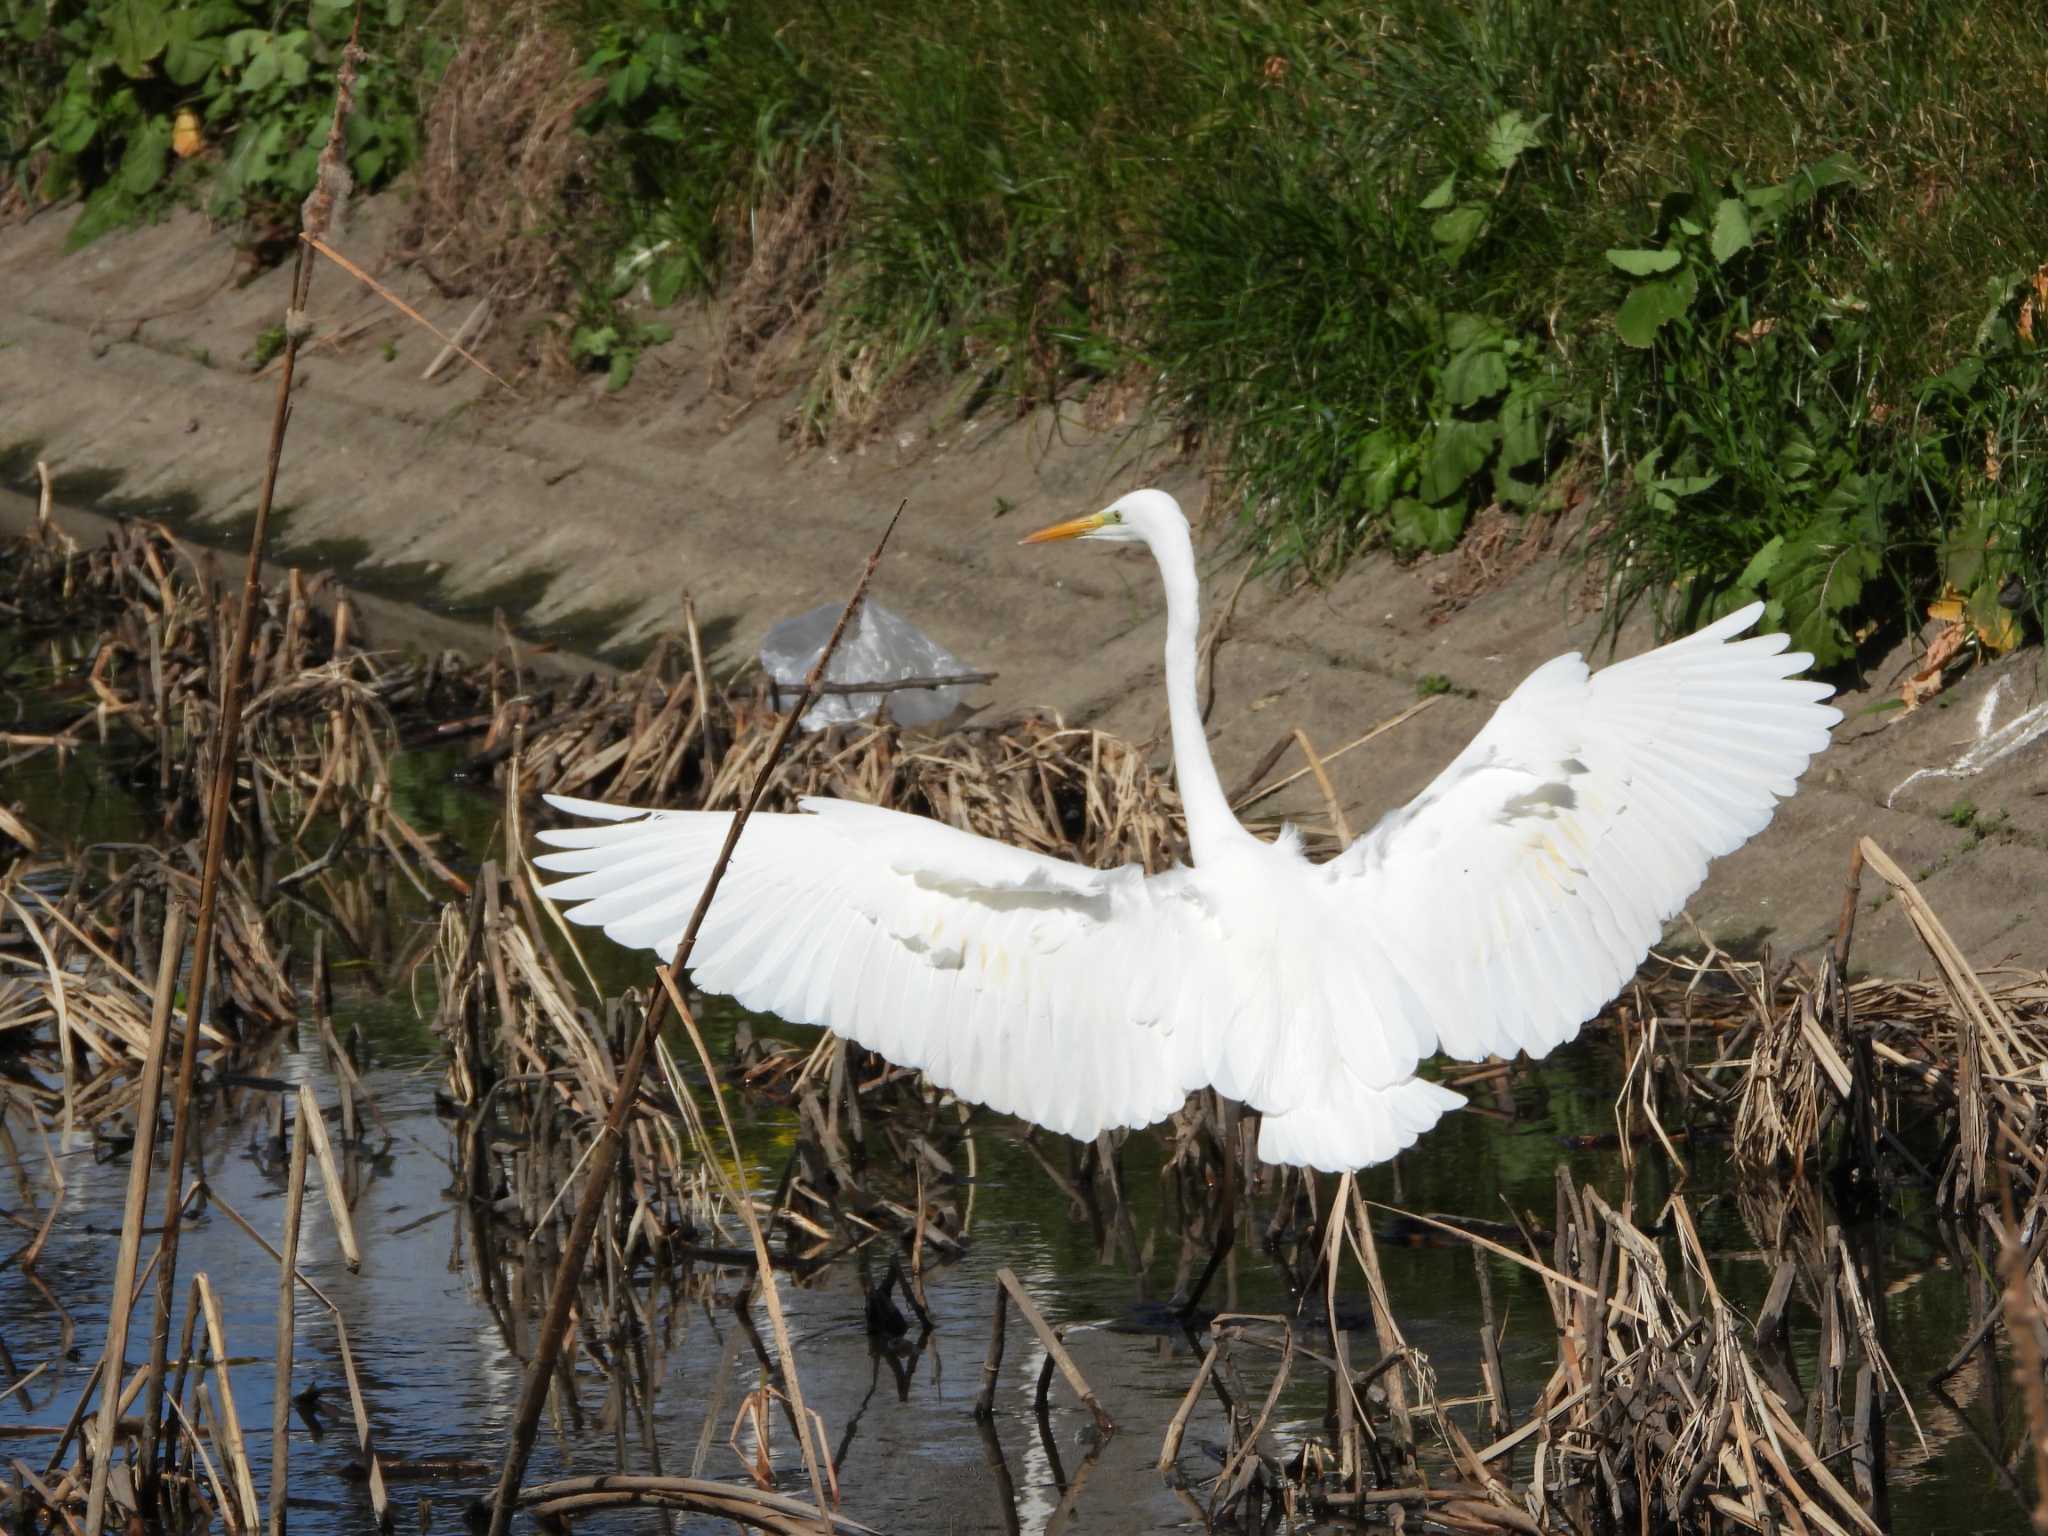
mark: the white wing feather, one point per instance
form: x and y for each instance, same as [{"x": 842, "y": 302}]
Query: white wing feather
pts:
[
  {"x": 1510, "y": 900},
  {"x": 1521, "y": 889},
  {"x": 980, "y": 964}
]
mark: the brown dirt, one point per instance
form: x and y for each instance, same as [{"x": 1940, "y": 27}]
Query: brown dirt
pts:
[{"x": 580, "y": 503}]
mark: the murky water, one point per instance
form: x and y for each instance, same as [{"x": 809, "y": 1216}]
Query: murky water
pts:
[{"x": 441, "y": 1374}]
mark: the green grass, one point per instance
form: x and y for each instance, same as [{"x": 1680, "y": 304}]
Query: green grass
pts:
[{"x": 1748, "y": 280}]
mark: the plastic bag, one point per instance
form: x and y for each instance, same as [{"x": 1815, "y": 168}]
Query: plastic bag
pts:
[{"x": 878, "y": 647}]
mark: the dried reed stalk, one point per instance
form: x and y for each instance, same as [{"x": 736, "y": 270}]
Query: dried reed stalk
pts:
[
  {"x": 330, "y": 187},
  {"x": 562, "y": 1296}
]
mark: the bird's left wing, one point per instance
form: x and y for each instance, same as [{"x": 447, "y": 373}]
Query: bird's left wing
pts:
[
  {"x": 1015, "y": 980},
  {"x": 1517, "y": 893}
]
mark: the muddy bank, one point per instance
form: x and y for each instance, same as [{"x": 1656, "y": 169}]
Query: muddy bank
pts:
[{"x": 587, "y": 516}]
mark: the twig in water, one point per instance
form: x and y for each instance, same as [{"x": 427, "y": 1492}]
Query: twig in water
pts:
[{"x": 1057, "y": 1351}]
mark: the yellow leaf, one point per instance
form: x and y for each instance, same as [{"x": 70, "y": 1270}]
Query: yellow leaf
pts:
[
  {"x": 2001, "y": 635},
  {"x": 186, "y": 139}
]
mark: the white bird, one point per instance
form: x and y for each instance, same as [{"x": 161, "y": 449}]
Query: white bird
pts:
[{"x": 1495, "y": 912}]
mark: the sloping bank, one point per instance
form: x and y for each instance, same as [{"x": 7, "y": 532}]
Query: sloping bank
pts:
[{"x": 590, "y": 515}]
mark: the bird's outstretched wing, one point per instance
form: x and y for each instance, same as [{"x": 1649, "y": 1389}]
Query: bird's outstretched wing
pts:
[
  {"x": 1522, "y": 888},
  {"x": 1015, "y": 980}
]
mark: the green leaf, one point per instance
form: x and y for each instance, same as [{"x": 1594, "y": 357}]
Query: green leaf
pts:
[
  {"x": 1641, "y": 263},
  {"x": 142, "y": 166},
  {"x": 136, "y": 31},
  {"x": 1761, "y": 565},
  {"x": 109, "y": 207},
  {"x": 1821, "y": 573},
  {"x": 620, "y": 373},
  {"x": 1464, "y": 329},
  {"x": 75, "y": 122},
  {"x": 1378, "y": 465},
  {"x": 1731, "y": 230},
  {"x": 1523, "y": 425},
  {"x": 1510, "y": 137},
  {"x": 1415, "y": 526},
  {"x": 1513, "y": 492},
  {"x": 293, "y": 65},
  {"x": 1442, "y": 195},
  {"x": 1455, "y": 231},
  {"x": 669, "y": 276},
  {"x": 670, "y": 56},
  {"x": 1475, "y": 374},
  {"x": 1458, "y": 450},
  {"x": 1650, "y": 307},
  {"x": 1835, "y": 170},
  {"x": 263, "y": 67},
  {"x": 1796, "y": 454}
]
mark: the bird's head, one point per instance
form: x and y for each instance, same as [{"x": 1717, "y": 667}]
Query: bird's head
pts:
[{"x": 1140, "y": 517}]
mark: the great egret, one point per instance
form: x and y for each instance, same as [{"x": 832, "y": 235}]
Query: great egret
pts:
[{"x": 1495, "y": 912}]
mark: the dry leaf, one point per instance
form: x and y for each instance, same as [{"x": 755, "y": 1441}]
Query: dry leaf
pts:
[{"x": 1926, "y": 680}]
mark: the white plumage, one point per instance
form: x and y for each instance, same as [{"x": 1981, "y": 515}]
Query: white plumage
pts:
[{"x": 1496, "y": 912}]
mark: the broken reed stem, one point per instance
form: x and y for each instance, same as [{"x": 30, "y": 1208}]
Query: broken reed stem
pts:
[
  {"x": 234, "y": 1451},
  {"x": 2022, "y": 1321},
  {"x": 113, "y": 1361},
  {"x": 744, "y": 1199},
  {"x": 287, "y": 1330},
  {"x": 226, "y": 753},
  {"x": 1055, "y": 1351},
  {"x": 992, "y": 1363},
  {"x": 569, "y": 1273}
]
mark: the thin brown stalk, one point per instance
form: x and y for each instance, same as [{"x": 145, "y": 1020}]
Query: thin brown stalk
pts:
[
  {"x": 1330, "y": 800},
  {"x": 569, "y": 1273},
  {"x": 287, "y": 1330},
  {"x": 360, "y": 1409},
  {"x": 2023, "y": 1322},
  {"x": 743, "y": 1198},
  {"x": 1055, "y": 1350},
  {"x": 1252, "y": 796},
  {"x": 227, "y": 751},
  {"x": 315, "y": 1127},
  {"x": 140, "y": 1158},
  {"x": 234, "y": 1451}
]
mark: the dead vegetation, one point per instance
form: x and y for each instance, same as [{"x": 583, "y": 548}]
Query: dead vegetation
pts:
[
  {"x": 1668, "y": 1407},
  {"x": 501, "y": 164}
]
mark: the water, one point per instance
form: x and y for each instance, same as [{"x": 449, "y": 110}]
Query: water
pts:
[{"x": 441, "y": 1374}]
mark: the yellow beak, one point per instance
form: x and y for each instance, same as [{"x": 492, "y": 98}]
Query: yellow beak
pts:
[{"x": 1072, "y": 529}]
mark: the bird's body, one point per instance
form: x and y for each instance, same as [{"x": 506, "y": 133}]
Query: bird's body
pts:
[{"x": 1495, "y": 912}]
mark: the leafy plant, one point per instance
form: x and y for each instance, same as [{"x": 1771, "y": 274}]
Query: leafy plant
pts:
[
  {"x": 269, "y": 343},
  {"x": 138, "y": 101},
  {"x": 658, "y": 63},
  {"x": 1974, "y": 455},
  {"x": 1765, "y": 472},
  {"x": 613, "y": 346}
]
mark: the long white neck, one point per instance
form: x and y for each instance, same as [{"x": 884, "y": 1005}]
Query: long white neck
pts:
[{"x": 1211, "y": 826}]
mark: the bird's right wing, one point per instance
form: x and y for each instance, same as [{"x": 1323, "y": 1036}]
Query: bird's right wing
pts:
[
  {"x": 1015, "y": 980},
  {"x": 1517, "y": 893}
]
